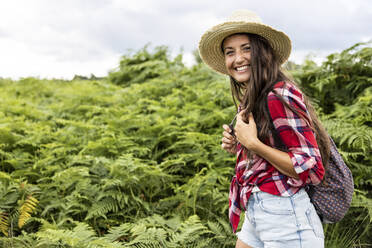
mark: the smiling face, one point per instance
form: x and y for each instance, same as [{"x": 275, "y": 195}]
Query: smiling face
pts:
[{"x": 237, "y": 52}]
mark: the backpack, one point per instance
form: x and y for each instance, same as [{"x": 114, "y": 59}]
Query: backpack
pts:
[{"x": 332, "y": 197}]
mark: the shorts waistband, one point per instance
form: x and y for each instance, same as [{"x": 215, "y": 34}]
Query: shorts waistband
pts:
[{"x": 301, "y": 194}]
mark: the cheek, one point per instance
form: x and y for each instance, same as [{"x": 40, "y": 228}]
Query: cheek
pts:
[{"x": 228, "y": 63}]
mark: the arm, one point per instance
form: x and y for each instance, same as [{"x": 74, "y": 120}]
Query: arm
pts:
[
  {"x": 296, "y": 134},
  {"x": 303, "y": 152}
]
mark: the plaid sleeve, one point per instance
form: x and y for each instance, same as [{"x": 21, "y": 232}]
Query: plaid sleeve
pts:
[{"x": 296, "y": 134}]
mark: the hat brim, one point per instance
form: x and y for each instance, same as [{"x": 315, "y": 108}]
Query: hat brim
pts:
[{"x": 210, "y": 43}]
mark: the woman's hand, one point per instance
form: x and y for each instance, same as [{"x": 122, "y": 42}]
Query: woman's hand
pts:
[
  {"x": 246, "y": 131},
  {"x": 228, "y": 141},
  {"x": 246, "y": 134}
]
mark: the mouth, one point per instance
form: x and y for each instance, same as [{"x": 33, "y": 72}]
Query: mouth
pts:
[{"x": 242, "y": 68}]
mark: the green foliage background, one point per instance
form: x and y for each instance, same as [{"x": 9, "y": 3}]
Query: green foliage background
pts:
[{"x": 134, "y": 159}]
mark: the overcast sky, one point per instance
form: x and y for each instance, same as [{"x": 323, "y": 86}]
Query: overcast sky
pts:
[{"x": 58, "y": 39}]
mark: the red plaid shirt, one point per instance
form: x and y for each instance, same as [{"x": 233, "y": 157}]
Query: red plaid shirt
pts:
[{"x": 303, "y": 150}]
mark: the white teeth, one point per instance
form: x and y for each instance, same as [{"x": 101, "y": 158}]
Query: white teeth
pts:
[{"x": 242, "y": 68}]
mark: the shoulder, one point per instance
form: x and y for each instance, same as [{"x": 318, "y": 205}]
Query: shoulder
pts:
[
  {"x": 287, "y": 89},
  {"x": 286, "y": 95}
]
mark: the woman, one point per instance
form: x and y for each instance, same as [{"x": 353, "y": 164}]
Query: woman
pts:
[{"x": 280, "y": 144}]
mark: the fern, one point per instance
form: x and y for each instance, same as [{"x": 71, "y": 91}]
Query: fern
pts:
[
  {"x": 4, "y": 223},
  {"x": 101, "y": 208},
  {"x": 22, "y": 241},
  {"x": 81, "y": 235},
  {"x": 26, "y": 209},
  {"x": 222, "y": 235},
  {"x": 189, "y": 233},
  {"x": 148, "y": 237},
  {"x": 136, "y": 156},
  {"x": 120, "y": 233}
]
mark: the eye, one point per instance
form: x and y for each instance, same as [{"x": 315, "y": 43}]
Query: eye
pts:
[
  {"x": 246, "y": 48},
  {"x": 229, "y": 52}
]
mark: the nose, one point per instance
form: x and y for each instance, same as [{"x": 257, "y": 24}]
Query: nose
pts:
[{"x": 239, "y": 58}]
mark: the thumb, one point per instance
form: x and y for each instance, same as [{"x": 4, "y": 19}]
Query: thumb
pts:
[
  {"x": 242, "y": 111},
  {"x": 251, "y": 118},
  {"x": 241, "y": 114}
]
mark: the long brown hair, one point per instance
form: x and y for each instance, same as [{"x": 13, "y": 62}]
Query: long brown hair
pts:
[{"x": 252, "y": 96}]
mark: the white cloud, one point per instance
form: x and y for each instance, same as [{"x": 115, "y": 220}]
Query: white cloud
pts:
[
  {"x": 62, "y": 38},
  {"x": 22, "y": 62}
]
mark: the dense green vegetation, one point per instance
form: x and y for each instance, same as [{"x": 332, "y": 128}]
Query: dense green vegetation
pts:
[{"x": 134, "y": 159}]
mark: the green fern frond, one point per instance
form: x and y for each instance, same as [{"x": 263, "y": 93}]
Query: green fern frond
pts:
[
  {"x": 103, "y": 243},
  {"x": 149, "y": 237},
  {"x": 21, "y": 241},
  {"x": 85, "y": 231},
  {"x": 190, "y": 232},
  {"x": 79, "y": 236},
  {"x": 350, "y": 135},
  {"x": 5, "y": 176},
  {"x": 361, "y": 200},
  {"x": 101, "y": 208},
  {"x": 120, "y": 233}
]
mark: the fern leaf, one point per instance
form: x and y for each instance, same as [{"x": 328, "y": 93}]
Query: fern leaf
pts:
[
  {"x": 4, "y": 223},
  {"x": 26, "y": 210}
]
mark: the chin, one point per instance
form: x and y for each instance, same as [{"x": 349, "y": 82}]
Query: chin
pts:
[
  {"x": 241, "y": 77},
  {"x": 241, "y": 80}
]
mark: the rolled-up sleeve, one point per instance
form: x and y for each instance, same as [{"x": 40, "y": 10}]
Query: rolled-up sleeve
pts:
[{"x": 296, "y": 134}]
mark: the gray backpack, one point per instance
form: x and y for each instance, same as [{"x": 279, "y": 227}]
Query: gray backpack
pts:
[{"x": 332, "y": 197}]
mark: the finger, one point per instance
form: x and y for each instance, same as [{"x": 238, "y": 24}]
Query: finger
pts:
[
  {"x": 226, "y": 127},
  {"x": 226, "y": 146},
  {"x": 228, "y": 135},
  {"x": 242, "y": 112},
  {"x": 228, "y": 141},
  {"x": 231, "y": 151}
]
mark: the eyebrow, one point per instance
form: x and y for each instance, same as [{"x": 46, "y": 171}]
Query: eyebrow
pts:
[{"x": 224, "y": 48}]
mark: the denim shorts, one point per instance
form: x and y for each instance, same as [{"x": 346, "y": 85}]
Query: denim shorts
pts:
[{"x": 275, "y": 221}]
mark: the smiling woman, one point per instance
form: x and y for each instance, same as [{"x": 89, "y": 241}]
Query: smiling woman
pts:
[{"x": 280, "y": 145}]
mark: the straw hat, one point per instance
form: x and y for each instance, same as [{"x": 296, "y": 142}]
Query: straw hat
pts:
[{"x": 241, "y": 21}]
